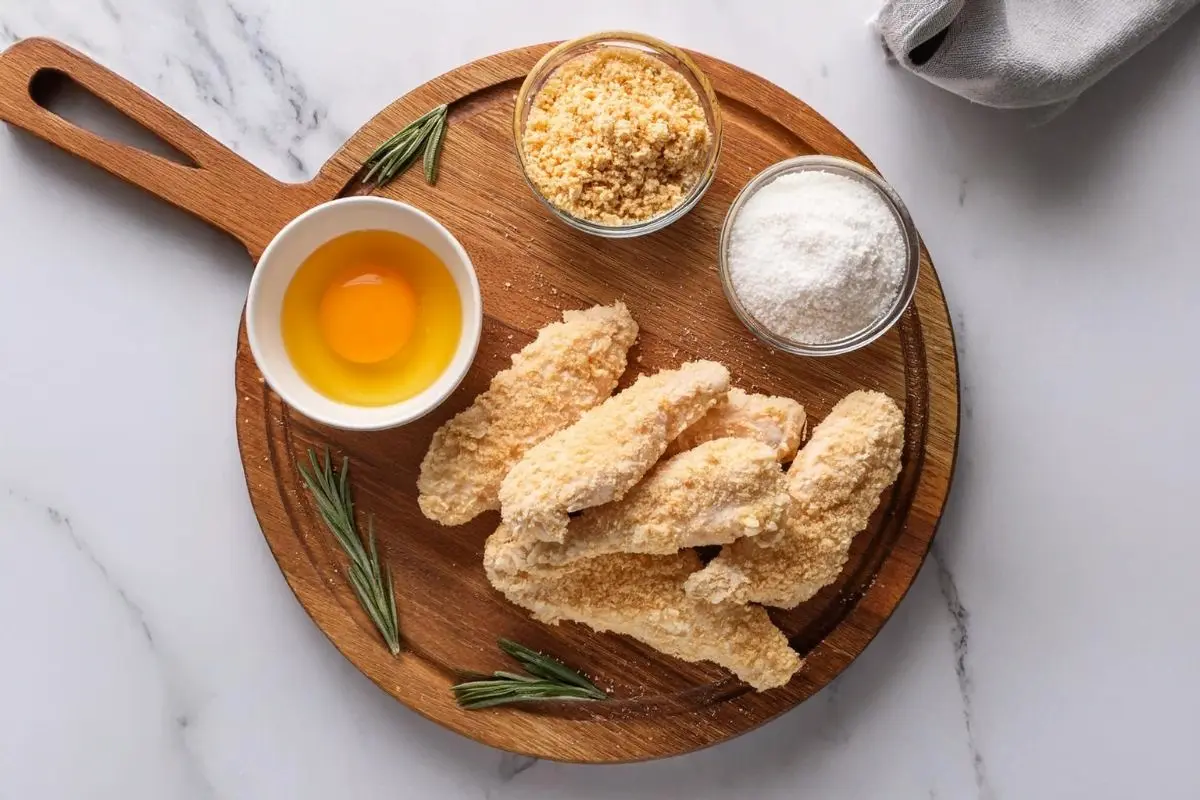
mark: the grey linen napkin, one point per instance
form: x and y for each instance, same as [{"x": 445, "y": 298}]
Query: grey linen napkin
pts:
[{"x": 1020, "y": 53}]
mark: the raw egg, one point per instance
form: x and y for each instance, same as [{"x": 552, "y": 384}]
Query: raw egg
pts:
[{"x": 371, "y": 318}]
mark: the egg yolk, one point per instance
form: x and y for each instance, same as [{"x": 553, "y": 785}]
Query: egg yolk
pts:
[
  {"x": 367, "y": 314},
  {"x": 371, "y": 318}
]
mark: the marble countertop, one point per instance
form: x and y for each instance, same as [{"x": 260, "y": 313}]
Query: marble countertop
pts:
[{"x": 152, "y": 649}]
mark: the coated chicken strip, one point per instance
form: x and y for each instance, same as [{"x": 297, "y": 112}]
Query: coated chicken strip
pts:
[
  {"x": 775, "y": 421},
  {"x": 642, "y": 597},
  {"x": 603, "y": 455},
  {"x": 834, "y": 483},
  {"x": 713, "y": 494},
  {"x": 570, "y": 367}
]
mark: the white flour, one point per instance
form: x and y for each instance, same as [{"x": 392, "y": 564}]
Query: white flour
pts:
[{"x": 816, "y": 257}]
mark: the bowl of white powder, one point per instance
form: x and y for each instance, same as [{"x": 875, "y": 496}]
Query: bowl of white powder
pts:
[{"x": 818, "y": 256}]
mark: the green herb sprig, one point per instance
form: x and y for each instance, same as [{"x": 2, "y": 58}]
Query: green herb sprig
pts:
[
  {"x": 423, "y": 136},
  {"x": 546, "y": 679},
  {"x": 370, "y": 580}
]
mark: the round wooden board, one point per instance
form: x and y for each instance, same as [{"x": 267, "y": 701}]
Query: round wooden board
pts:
[{"x": 531, "y": 268}]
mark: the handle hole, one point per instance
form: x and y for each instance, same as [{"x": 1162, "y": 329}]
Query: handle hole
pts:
[{"x": 61, "y": 95}]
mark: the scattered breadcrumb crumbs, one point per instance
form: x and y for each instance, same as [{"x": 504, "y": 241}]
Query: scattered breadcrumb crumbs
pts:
[{"x": 616, "y": 137}]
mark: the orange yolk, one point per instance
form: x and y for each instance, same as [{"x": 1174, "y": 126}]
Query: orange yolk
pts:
[{"x": 367, "y": 314}]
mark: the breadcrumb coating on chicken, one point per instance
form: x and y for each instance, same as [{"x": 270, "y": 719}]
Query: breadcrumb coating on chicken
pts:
[
  {"x": 776, "y": 421},
  {"x": 715, "y": 493},
  {"x": 642, "y": 596},
  {"x": 569, "y": 368},
  {"x": 603, "y": 455},
  {"x": 835, "y": 483}
]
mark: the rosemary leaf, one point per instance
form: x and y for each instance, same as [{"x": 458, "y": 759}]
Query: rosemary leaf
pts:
[
  {"x": 403, "y": 134},
  {"x": 370, "y": 176},
  {"x": 365, "y": 596},
  {"x": 547, "y": 679},
  {"x": 344, "y": 488},
  {"x": 390, "y": 595},
  {"x": 512, "y": 676},
  {"x": 370, "y": 601},
  {"x": 371, "y": 582},
  {"x": 404, "y": 155},
  {"x": 423, "y": 135},
  {"x": 545, "y": 667},
  {"x": 374, "y": 564},
  {"x": 433, "y": 151},
  {"x": 486, "y": 694}
]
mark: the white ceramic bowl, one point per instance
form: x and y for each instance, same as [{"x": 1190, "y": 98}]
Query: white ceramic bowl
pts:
[{"x": 284, "y": 256}]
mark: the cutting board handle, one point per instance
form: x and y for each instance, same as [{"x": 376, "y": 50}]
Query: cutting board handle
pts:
[{"x": 221, "y": 187}]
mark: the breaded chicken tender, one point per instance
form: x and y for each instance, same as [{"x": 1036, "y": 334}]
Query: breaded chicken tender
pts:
[
  {"x": 775, "y": 421},
  {"x": 642, "y": 597},
  {"x": 569, "y": 368},
  {"x": 834, "y": 483},
  {"x": 603, "y": 455},
  {"x": 715, "y": 493}
]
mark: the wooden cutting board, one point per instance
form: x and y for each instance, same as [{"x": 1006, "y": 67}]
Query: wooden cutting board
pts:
[{"x": 531, "y": 268}]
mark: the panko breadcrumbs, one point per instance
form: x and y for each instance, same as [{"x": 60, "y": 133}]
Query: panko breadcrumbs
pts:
[{"x": 616, "y": 137}]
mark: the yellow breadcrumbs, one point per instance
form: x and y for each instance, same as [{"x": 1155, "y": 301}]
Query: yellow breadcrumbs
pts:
[{"x": 616, "y": 137}]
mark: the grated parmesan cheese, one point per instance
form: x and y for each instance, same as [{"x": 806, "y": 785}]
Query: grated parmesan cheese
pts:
[{"x": 815, "y": 257}]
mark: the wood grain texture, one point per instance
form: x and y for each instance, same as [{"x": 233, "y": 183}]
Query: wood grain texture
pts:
[{"x": 530, "y": 268}]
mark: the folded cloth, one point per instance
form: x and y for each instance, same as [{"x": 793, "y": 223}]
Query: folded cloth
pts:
[{"x": 1021, "y": 53}]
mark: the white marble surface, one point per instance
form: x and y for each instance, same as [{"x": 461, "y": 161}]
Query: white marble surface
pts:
[{"x": 1048, "y": 650}]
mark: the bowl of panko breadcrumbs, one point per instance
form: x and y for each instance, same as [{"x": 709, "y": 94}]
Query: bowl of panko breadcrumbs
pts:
[{"x": 617, "y": 133}]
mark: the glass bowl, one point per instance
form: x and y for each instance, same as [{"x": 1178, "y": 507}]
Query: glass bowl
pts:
[
  {"x": 877, "y": 328},
  {"x": 673, "y": 57}
]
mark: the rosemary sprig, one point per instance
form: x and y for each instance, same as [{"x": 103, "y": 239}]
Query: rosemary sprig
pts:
[
  {"x": 369, "y": 579},
  {"x": 547, "y": 679},
  {"x": 423, "y": 135}
]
